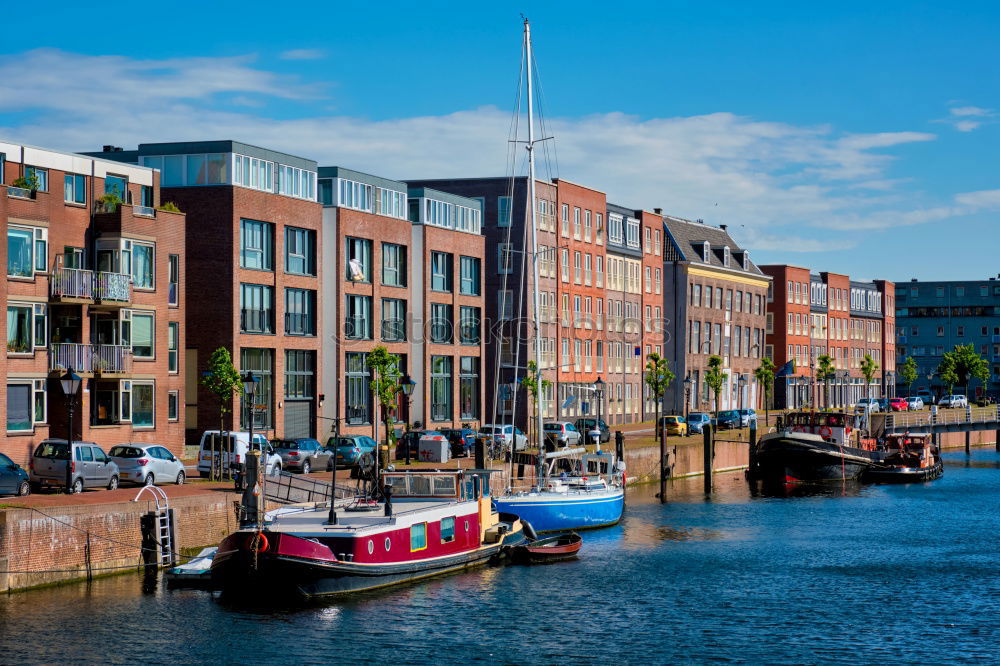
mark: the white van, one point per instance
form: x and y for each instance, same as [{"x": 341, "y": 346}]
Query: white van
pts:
[{"x": 233, "y": 447}]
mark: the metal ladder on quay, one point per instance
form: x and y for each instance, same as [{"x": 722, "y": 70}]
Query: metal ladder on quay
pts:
[{"x": 163, "y": 523}]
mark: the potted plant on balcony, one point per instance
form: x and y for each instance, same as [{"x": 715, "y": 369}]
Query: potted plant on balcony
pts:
[
  {"x": 108, "y": 203},
  {"x": 27, "y": 182}
]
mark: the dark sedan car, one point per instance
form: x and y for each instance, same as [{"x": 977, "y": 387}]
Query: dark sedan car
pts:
[
  {"x": 13, "y": 478},
  {"x": 462, "y": 440},
  {"x": 729, "y": 418},
  {"x": 586, "y": 424}
]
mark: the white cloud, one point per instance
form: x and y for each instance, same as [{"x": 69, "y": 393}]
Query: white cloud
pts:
[
  {"x": 302, "y": 54},
  {"x": 968, "y": 118},
  {"x": 783, "y": 185}
]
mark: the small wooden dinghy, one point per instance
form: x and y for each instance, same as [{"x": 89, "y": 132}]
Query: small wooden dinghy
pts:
[
  {"x": 551, "y": 549},
  {"x": 197, "y": 572}
]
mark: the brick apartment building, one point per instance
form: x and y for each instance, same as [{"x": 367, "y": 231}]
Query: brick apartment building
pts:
[
  {"x": 716, "y": 296},
  {"x": 654, "y": 333},
  {"x": 253, "y": 233},
  {"x": 812, "y": 314},
  {"x": 95, "y": 281},
  {"x": 625, "y": 315}
]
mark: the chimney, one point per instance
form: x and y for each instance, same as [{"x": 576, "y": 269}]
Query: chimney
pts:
[
  {"x": 723, "y": 226},
  {"x": 913, "y": 279},
  {"x": 658, "y": 211},
  {"x": 111, "y": 149},
  {"x": 700, "y": 221}
]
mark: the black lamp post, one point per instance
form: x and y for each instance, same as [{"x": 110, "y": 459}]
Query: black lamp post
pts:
[
  {"x": 599, "y": 396},
  {"x": 250, "y": 390},
  {"x": 407, "y": 384},
  {"x": 70, "y": 386},
  {"x": 687, "y": 395},
  {"x": 741, "y": 382}
]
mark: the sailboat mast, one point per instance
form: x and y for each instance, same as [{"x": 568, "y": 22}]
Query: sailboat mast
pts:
[{"x": 536, "y": 318}]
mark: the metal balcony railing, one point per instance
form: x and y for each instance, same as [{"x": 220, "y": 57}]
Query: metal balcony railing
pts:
[
  {"x": 64, "y": 355},
  {"x": 113, "y": 287},
  {"x": 256, "y": 321},
  {"x": 72, "y": 283},
  {"x": 112, "y": 359}
]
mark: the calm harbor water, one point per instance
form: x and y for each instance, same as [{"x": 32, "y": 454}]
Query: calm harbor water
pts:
[{"x": 865, "y": 574}]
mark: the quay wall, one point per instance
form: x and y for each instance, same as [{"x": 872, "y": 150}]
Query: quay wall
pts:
[
  {"x": 684, "y": 460},
  {"x": 59, "y": 544},
  {"x": 956, "y": 440}
]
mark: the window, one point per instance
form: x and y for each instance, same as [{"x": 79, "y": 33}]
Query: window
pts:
[
  {"x": 27, "y": 251},
  {"x": 441, "y": 378},
  {"x": 174, "y": 278},
  {"x": 358, "y": 318},
  {"x": 448, "y": 528},
  {"x": 503, "y": 211},
  {"x": 587, "y": 226},
  {"x": 599, "y": 270},
  {"x": 300, "y": 312},
  {"x": 173, "y": 405},
  {"x": 300, "y": 251},
  {"x": 418, "y": 536},
  {"x": 616, "y": 230},
  {"x": 256, "y": 245},
  {"x": 173, "y": 334},
  {"x": 326, "y": 191},
  {"x": 143, "y": 402},
  {"x": 74, "y": 189},
  {"x": 564, "y": 221},
  {"x": 27, "y": 327},
  {"x": 441, "y": 271},
  {"x": 358, "y": 259},
  {"x": 393, "y": 320},
  {"x": 576, "y": 267},
  {"x": 40, "y": 175},
  {"x": 358, "y": 392},
  {"x": 441, "y": 323},
  {"x": 256, "y": 308},
  {"x": 632, "y": 232},
  {"x": 468, "y": 388},
  {"x": 469, "y": 284},
  {"x": 576, "y": 223},
  {"x": 261, "y": 363},
  {"x": 504, "y": 259},
  {"x": 141, "y": 336},
  {"x": 469, "y": 326},
  {"x": 564, "y": 265},
  {"x": 26, "y": 404},
  {"x": 393, "y": 265},
  {"x": 142, "y": 266},
  {"x": 392, "y": 203},
  {"x": 300, "y": 374}
]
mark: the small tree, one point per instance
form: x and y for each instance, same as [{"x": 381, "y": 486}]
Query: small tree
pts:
[
  {"x": 825, "y": 371},
  {"x": 908, "y": 373},
  {"x": 715, "y": 378},
  {"x": 946, "y": 371},
  {"x": 968, "y": 364},
  {"x": 385, "y": 387},
  {"x": 869, "y": 368},
  {"x": 765, "y": 379},
  {"x": 658, "y": 378},
  {"x": 530, "y": 383},
  {"x": 223, "y": 381}
]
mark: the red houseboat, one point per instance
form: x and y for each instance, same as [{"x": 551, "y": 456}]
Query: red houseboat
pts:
[{"x": 435, "y": 522}]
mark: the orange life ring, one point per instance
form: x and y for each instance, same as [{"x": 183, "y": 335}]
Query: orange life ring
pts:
[
  {"x": 261, "y": 539},
  {"x": 825, "y": 432}
]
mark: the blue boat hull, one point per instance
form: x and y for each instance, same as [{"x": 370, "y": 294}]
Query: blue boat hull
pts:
[{"x": 557, "y": 512}]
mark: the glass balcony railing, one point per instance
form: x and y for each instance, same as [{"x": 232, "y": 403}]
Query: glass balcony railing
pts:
[{"x": 113, "y": 287}]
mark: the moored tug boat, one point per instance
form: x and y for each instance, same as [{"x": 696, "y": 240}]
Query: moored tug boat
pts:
[
  {"x": 433, "y": 522},
  {"x": 905, "y": 458},
  {"x": 814, "y": 447}
]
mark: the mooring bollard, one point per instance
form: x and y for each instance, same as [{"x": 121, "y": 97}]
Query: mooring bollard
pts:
[
  {"x": 150, "y": 550},
  {"x": 707, "y": 432},
  {"x": 967, "y": 442},
  {"x": 752, "y": 461},
  {"x": 480, "y": 452}
]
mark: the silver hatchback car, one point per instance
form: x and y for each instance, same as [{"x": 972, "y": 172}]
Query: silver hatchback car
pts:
[{"x": 147, "y": 464}]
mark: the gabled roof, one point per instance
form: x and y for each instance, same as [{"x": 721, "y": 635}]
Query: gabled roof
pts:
[{"x": 688, "y": 238}]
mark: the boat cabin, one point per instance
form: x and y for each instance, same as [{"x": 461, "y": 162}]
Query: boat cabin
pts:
[
  {"x": 448, "y": 485},
  {"x": 835, "y": 427}
]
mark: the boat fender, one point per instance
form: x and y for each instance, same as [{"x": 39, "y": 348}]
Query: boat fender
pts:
[
  {"x": 528, "y": 530},
  {"x": 257, "y": 541},
  {"x": 825, "y": 432}
]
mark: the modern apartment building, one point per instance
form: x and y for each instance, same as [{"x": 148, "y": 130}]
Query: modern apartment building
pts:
[
  {"x": 95, "y": 281},
  {"x": 253, "y": 233},
  {"x": 812, "y": 314},
  {"x": 932, "y": 317},
  {"x": 716, "y": 296}
]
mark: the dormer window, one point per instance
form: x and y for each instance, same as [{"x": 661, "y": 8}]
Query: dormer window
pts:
[
  {"x": 725, "y": 256},
  {"x": 746, "y": 260},
  {"x": 706, "y": 250}
]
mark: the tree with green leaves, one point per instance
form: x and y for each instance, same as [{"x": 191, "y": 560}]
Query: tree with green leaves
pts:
[
  {"x": 715, "y": 378},
  {"x": 908, "y": 373},
  {"x": 825, "y": 371},
  {"x": 765, "y": 379},
  {"x": 530, "y": 383},
  {"x": 869, "y": 368},
  {"x": 223, "y": 381},
  {"x": 385, "y": 387},
  {"x": 967, "y": 364},
  {"x": 658, "y": 378},
  {"x": 946, "y": 371}
]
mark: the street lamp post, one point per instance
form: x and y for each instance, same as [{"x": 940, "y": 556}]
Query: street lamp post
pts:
[
  {"x": 250, "y": 382},
  {"x": 70, "y": 386},
  {"x": 599, "y": 396},
  {"x": 407, "y": 384},
  {"x": 687, "y": 395},
  {"x": 741, "y": 382}
]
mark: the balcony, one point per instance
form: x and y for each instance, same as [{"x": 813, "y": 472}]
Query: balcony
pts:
[
  {"x": 71, "y": 284},
  {"x": 103, "y": 360},
  {"x": 20, "y": 192},
  {"x": 144, "y": 211},
  {"x": 113, "y": 288}
]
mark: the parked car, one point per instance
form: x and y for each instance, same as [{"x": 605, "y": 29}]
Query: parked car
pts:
[
  {"x": 586, "y": 424},
  {"x": 898, "y": 404},
  {"x": 985, "y": 400},
  {"x": 955, "y": 400},
  {"x": 883, "y": 404},
  {"x": 349, "y": 449},
  {"x": 13, "y": 478},
  {"x": 463, "y": 441},
  {"x": 747, "y": 416},
  {"x": 302, "y": 453},
  {"x": 927, "y": 396},
  {"x": 145, "y": 464},
  {"x": 231, "y": 448},
  {"x": 729, "y": 418},
  {"x": 674, "y": 425},
  {"x": 914, "y": 403},
  {"x": 561, "y": 434},
  {"x": 696, "y": 421},
  {"x": 506, "y": 433},
  {"x": 866, "y": 406},
  {"x": 90, "y": 467}
]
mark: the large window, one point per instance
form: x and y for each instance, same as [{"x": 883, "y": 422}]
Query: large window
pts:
[
  {"x": 27, "y": 251},
  {"x": 468, "y": 388},
  {"x": 25, "y": 404},
  {"x": 393, "y": 265},
  {"x": 300, "y": 251},
  {"x": 174, "y": 279},
  {"x": 470, "y": 281},
  {"x": 359, "y": 259},
  {"x": 116, "y": 185},
  {"x": 142, "y": 334},
  {"x": 143, "y": 405},
  {"x": 441, "y": 323},
  {"x": 441, "y": 379},
  {"x": 300, "y": 312},
  {"x": 503, "y": 211},
  {"x": 441, "y": 271},
  {"x": 261, "y": 363},
  {"x": 27, "y": 327},
  {"x": 354, "y": 195},
  {"x": 505, "y": 264},
  {"x": 257, "y": 245},
  {"x": 357, "y": 392},
  {"x": 40, "y": 175},
  {"x": 392, "y": 203},
  {"x": 393, "y": 320},
  {"x": 358, "y": 318},
  {"x": 74, "y": 189},
  {"x": 256, "y": 308},
  {"x": 469, "y": 327},
  {"x": 300, "y": 374},
  {"x": 142, "y": 266},
  {"x": 173, "y": 334},
  {"x": 173, "y": 405}
]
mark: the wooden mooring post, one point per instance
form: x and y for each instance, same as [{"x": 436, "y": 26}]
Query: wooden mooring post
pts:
[
  {"x": 708, "y": 435},
  {"x": 967, "y": 441},
  {"x": 752, "y": 455}
]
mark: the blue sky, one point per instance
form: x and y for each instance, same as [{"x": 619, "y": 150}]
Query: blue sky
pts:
[{"x": 850, "y": 137}]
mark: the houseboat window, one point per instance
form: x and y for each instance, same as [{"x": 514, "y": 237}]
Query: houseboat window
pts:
[
  {"x": 447, "y": 530},
  {"x": 387, "y": 544},
  {"x": 444, "y": 485},
  {"x": 418, "y": 536},
  {"x": 836, "y": 420},
  {"x": 371, "y": 546},
  {"x": 397, "y": 483},
  {"x": 420, "y": 485}
]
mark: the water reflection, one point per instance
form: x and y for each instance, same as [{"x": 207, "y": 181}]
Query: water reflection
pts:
[{"x": 843, "y": 489}]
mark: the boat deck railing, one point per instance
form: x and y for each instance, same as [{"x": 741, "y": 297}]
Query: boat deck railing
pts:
[{"x": 288, "y": 488}]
